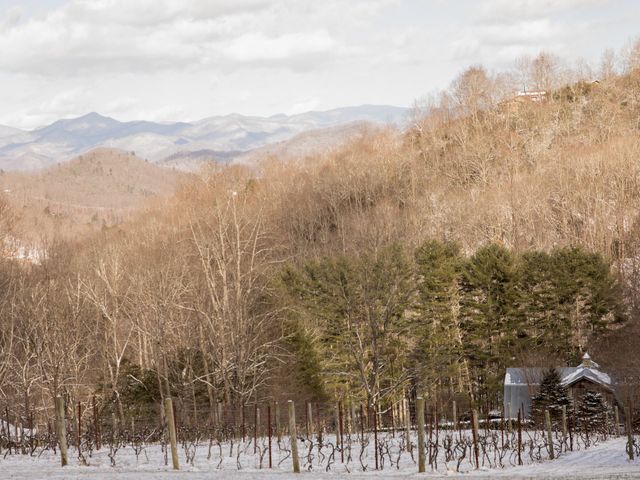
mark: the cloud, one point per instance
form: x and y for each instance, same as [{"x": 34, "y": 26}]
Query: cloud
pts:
[
  {"x": 514, "y": 10},
  {"x": 253, "y": 47},
  {"x": 111, "y": 36}
]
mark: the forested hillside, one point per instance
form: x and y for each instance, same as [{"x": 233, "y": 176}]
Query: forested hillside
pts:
[{"x": 495, "y": 231}]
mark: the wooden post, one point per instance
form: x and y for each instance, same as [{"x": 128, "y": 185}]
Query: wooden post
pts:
[
  {"x": 79, "y": 432},
  {"x": 407, "y": 424},
  {"x": 220, "y": 413},
  {"x": 309, "y": 420},
  {"x": 61, "y": 430},
  {"x": 629, "y": 434},
  {"x": 341, "y": 429},
  {"x": 564, "y": 428},
  {"x": 361, "y": 423},
  {"x": 171, "y": 423},
  {"x": 242, "y": 421},
  {"x": 294, "y": 437},
  {"x": 6, "y": 414},
  {"x": 277, "y": 413},
  {"x": 547, "y": 422},
  {"x": 375, "y": 434},
  {"x": 420, "y": 422},
  {"x": 256, "y": 422},
  {"x": 519, "y": 437},
  {"x": 474, "y": 427},
  {"x": 617, "y": 420},
  {"x": 455, "y": 415},
  {"x": 269, "y": 433},
  {"x": 96, "y": 424}
]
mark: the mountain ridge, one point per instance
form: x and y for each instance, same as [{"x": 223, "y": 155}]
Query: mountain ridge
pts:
[{"x": 68, "y": 137}]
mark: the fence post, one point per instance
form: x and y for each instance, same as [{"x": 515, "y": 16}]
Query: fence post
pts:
[
  {"x": 341, "y": 430},
  {"x": 309, "y": 419},
  {"x": 420, "y": 422},
  {"x": 519, "y": 437},
  {"x": 294, "y": 437},
  {"x": 256, "y": 421},
  {"x": 474, "y": 429},
  {"x": 96, "y": 426},
  {"x": 171, "y": 423},
  {"x": 629, "y": 434},
  {"x": 277, "y": 414},
  {"x": 79, "y": 432},
  {"x": 564, "y": 428},
  {"x": 6, "y": 414},
  {"x": 547, "y": 422},
  {"x": 361, "y": 423},
  {"x": 407, "y": 423},
  {"x": 375, "y": 434},
  {"x": 61, "y": 430},
  {"x": 242, "y": 421},
  {"x": 269, "y": 432},
  {"x": 454, "y": 415}
]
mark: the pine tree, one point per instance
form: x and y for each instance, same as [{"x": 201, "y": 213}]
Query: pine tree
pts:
[
  {"x": 592, "y": 411},
  {"x": 552, "y": 396}
]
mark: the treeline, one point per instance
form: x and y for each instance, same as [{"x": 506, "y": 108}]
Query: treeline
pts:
[
  {"x": 388, "y": 323},
  {"x": 492, "y": 232}
]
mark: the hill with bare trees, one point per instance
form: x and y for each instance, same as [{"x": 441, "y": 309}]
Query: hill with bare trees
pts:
[
  {"x": 100, "y": 188},
  {"x": 498, "y": 229}
]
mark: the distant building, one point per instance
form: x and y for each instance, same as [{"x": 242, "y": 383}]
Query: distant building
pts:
[
  {"x": 522, "y": 384},
  {"x": 532, "y": 95}
]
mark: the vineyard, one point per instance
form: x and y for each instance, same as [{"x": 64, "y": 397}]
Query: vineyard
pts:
[{"x": 403, "y": 438}]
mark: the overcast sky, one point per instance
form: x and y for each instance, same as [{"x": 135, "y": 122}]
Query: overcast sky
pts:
[{"x": 188, "y": 59}]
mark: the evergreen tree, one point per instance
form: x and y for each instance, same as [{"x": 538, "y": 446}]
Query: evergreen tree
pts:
[
  {"x": 552, "y": 396},
  {"x": 487, "y": 317},
  {"x": 358, "y": 307},
  {"x": 592, "y": 411},
  {"x": 438, "y": 358}
]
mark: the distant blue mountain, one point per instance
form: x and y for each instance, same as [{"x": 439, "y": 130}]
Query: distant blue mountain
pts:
[{"x": 157, "y": 142}]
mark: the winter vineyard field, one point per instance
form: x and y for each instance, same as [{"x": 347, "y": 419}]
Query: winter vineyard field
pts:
[{"x": 223, "y": 452}]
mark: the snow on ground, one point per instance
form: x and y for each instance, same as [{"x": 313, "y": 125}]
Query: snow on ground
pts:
[{"x": 605, "y": 461}]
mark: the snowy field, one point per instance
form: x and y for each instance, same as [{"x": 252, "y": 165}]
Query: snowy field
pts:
[{"x": 604, "y": 461}]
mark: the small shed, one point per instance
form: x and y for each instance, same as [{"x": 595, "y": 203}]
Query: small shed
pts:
[{"x": 521, "y": 384}]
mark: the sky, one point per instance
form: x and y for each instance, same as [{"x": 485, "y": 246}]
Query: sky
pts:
[{"x": 183, "y": 60}]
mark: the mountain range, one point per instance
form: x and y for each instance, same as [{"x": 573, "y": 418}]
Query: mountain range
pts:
[{"x": 185, "y": 145}]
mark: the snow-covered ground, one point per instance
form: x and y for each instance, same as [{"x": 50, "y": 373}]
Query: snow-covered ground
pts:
[{"x": 605, "y": 461}]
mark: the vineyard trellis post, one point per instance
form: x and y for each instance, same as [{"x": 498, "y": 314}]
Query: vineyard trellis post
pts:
[
  {"x": 375, "y": 435},
  {"x": 564, "y": 428},
  {"x": 474, "y": 427},
  {"x": 420, "y": 422},
  {"x": 61, "y": 430},
  {"x": 171, "y": 423},
  {"x": 629, "y": 434},
  {"x": 519, "y": 437},
  {"x": 96, "y": 424},
  {"x": 547, "y": 422},
  {"x": 79, "y": 430},
  {"x": 295, "y": 460},
  {"x": 277, "y": 414},
  {"x": 341, "y": 428},
  {"x": 407, "y": 424},
  {"x": 270, "y": 433}
]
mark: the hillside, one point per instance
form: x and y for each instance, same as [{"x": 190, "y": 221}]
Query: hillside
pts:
[{"x": 101, "y": 187}]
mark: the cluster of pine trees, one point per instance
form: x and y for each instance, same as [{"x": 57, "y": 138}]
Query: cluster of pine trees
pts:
[
  {"x": 589, "y": 412},
  {"x": 436, "y": 320}
]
